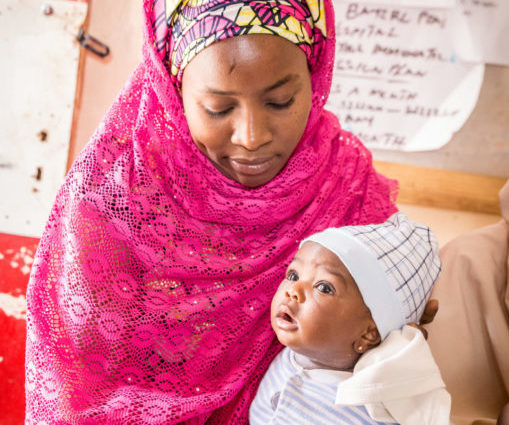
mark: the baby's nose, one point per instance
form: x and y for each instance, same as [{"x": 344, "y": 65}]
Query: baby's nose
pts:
[{"x": 296, "y": 292}]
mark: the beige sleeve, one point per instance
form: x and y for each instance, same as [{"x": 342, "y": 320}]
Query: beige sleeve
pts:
[{"x": 470, "y": 334}]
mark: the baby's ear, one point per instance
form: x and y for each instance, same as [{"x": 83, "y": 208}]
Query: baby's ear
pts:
[{"x": 371, "y": 336}]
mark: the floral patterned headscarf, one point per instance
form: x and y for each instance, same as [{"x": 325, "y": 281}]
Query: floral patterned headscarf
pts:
[{"x": 193, "y": 25}]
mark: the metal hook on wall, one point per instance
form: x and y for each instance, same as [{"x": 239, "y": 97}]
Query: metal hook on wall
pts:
[{"x": 92, "y": 44}]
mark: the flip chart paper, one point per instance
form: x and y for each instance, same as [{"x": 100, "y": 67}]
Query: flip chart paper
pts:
[
  {"x": 398, "y": 83},
  {"x": 481, "y": 31},
  {"x": 413, "y": 3}
]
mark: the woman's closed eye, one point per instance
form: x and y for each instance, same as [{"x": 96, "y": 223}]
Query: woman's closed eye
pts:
[
  {"x": 325, "y": 288},
  {"x": 282, "y": 105},
  {"x": 220, "y": 113}
]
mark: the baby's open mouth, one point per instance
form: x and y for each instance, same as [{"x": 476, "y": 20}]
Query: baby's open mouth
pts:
[
  {"x": 285, "y": 321},
  {"x": 286, "y": 317}
]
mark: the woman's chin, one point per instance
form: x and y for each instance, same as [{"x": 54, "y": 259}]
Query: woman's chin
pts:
[
  {"x": 252, "y": 182},
  {"x": 255, "y": 180}
]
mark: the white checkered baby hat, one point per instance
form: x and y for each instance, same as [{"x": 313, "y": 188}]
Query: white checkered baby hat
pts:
[{"x": 394, "y": 264}]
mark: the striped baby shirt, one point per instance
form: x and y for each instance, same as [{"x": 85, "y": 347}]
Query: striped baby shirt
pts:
[{"x": 290, "y": 394}]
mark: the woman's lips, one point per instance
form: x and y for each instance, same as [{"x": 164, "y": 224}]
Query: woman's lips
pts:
[
  {"x": 285, "y": 321},
  {"x": 252, "y": 167}
]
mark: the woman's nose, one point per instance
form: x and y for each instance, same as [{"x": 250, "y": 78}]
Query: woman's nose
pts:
[
  {"x": 296, "y": 292},
  {"x": 251, "y": 129}
]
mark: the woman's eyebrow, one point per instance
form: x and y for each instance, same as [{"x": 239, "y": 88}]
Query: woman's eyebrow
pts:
[
  {"x": 277, "y": 84},
  {"x": 281, "y": 82},
  {"x": 211, "y": 90}
]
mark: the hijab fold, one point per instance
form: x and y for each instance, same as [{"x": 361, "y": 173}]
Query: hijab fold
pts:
[{"x": 149, "y": 297}]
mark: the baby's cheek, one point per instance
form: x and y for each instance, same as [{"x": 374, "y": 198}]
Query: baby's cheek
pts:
[
  {"x": 329, "y": 326},
  {"x": 275, "y": 301}
]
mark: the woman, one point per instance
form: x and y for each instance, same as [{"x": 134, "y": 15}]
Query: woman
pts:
[{"x": 149, "y": 298}]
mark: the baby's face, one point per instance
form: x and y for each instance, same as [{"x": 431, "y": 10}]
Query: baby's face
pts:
[{"x": 318, "y": 310}]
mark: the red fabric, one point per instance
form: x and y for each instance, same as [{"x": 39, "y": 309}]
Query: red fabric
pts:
[
  {"x": 16, "y": 256},
  {"x": 149, "y": 299}
]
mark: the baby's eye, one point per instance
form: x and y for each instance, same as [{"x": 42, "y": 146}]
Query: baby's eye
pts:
[
  {"x": 292, "y": 275},
  {"x": 325, "y": 288}
]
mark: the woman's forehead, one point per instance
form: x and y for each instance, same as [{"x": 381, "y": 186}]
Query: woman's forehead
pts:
[{"x": 265, "y": 60}]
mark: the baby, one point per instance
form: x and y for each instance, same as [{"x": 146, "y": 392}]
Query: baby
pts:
[{"x": 342, "y": 313}]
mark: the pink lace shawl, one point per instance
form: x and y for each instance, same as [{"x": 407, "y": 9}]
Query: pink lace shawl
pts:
[{"x": 149, "y": 297}]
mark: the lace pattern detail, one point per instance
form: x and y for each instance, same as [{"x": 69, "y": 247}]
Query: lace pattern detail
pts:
[{"x": 149, "y": 297}]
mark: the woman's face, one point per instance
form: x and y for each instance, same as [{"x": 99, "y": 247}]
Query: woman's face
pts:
[{"x": 247, "y": 101}]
